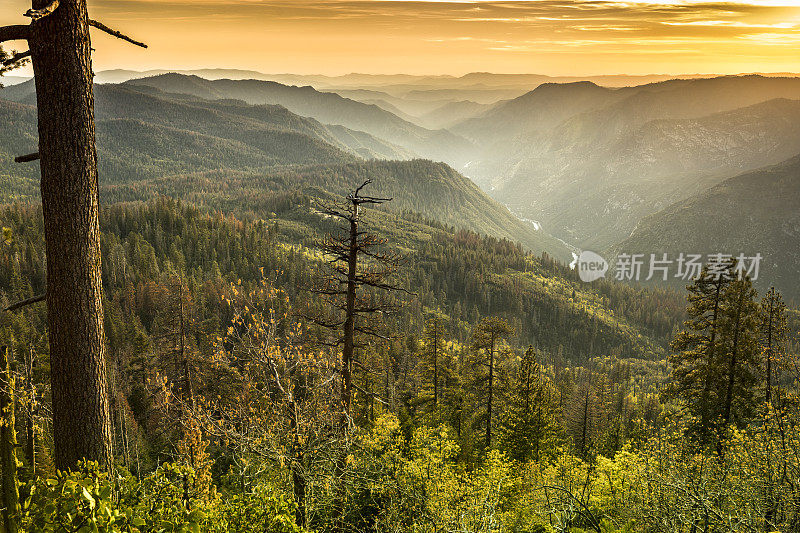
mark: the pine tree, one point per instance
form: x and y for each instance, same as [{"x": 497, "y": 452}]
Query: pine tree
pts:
[
  {"x": 715, "y": 359},
  {"x": 60, "y": 51},
  {"x": 433, "y": 358},
  {"x": 695, "y": 380},
  {"x": 529, "y": 422},
  {"x": 773, "y": 337},
  {"x": 740, "y": 314},
  {"x": 489, "y": 350}
]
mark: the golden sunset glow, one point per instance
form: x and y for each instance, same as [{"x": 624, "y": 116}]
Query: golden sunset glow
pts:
[{"x": 438, "y": 37}]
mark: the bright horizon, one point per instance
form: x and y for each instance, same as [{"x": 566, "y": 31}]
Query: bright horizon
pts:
[{"x": 549, "y": 37}]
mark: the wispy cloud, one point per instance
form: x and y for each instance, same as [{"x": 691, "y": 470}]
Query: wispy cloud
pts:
[{"x": 455, "y": 35}]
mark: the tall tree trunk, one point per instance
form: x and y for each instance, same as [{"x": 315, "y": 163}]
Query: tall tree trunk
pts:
[
  {"x": 768, "y": 395},
  {"x": 707, "y": 416},
  {"x": 491, "y": 392},
  {"x": 347, "y": 361},
  {"x": 350, "y": 319},
  {"x": 30, "y": 416},
  {"x": 298, "y": 476},
  {"x": 435, "y": 366},
  {"x": 60, "y": 49},
  {"x": 8, "y": 446},
  {"x": 733, "y": 360},
  {"x": 585, "y": 425}
]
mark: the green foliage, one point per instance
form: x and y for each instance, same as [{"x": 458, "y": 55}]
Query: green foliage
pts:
[
  {"x": 87, "y": 499},
  {"x": 261, "y": 510}
]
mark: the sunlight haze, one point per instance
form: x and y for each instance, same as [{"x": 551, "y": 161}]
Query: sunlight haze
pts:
[{"x": 437, "y": 37}]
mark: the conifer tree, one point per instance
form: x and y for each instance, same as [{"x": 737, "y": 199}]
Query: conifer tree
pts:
[
  {"x": 695, "y": 380},
  {"x": 740, "y": 314},
  {"x": 773, "y": 337},
  {"x": 433, "y": 357},
  {"x": 715, "y": 358},
  {"x": 529, "y": 422},
  {"x": 60, "y": 51},
  {"x": 354, "y": 287},
  {"x": 489, "y": 350}
]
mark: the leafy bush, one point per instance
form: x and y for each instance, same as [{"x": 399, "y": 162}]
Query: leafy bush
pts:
[{"x": 86, "y": 500}]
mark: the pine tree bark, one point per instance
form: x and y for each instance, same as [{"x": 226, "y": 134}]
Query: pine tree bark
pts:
[
  {"x": 349, "y": 323},
  {"x": 61, "y": 55}
]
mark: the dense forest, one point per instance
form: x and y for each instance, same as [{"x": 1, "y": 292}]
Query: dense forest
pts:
[{"x": 496, "y": 393}]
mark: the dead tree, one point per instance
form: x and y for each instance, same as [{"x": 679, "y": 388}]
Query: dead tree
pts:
[
  {"x": 60, "y": 50},
  {"x": 355, "y": 287}
]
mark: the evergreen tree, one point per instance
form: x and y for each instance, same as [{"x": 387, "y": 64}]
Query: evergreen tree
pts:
[
  {"x": 529, "y": 424},
  {"x": 773, "y": 337},
  {"x": 695, "y": 380},
  {"x": 490, "y": 350},
  {"x": 434, "y": 359},
  {"x": 715, "y": 358},
  {"x": 740, "y": 314}
]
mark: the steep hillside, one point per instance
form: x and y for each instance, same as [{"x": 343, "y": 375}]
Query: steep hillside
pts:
[
  {"x": 534, "y": 113},
  {"x": 453, "y": 113},
  {"x": 431, "y": 189},
  {"x": 755, "y": 212},
  {"x": 597, "y": 193},
  {"x": 225, "y": 118}
]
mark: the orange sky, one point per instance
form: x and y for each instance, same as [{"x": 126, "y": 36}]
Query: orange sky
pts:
[{"x": 439, "y": 37}]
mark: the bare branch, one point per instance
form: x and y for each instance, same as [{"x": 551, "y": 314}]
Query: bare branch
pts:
[
  {"x": 27, "y": 158},
  {"x": 372, "y": 394},
  {"x": 102, "y": 27},
  {"x": 17, "y": 32},
  {"x": 23, "y": 303},
  {"x": 370, "y": 200},
  {"x": 16, "y": 58},
  {"x": 37, "y": 14},
  {"x": 358, "y": 190}
]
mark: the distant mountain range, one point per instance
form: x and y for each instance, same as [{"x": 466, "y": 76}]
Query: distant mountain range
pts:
[
  {"x": 598, "y": 167},
  {"x": 329, "y": 108},
  {"x": 589, "y": 162},
  {"x": 524, "y": 82},
  {"x": 154, "y": 142}
]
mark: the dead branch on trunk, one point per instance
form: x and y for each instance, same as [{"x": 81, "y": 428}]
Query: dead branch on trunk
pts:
[
  {"x": 27, "y": 158},
  {"x": 16, "y": 32},
  {"x": 16, "y": 58},
  {"x": 23, "y": 303},
  {"x": 119, "y": 35}
]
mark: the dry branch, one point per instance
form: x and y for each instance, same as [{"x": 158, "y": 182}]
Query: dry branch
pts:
[
  {"x": 23, "y": 303},
  {"x": 17, "y": 32},
  {"x": 27, "y": 158},
  {"x": 119, "y": 35},
  {"x": 16, "y": 57}
]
